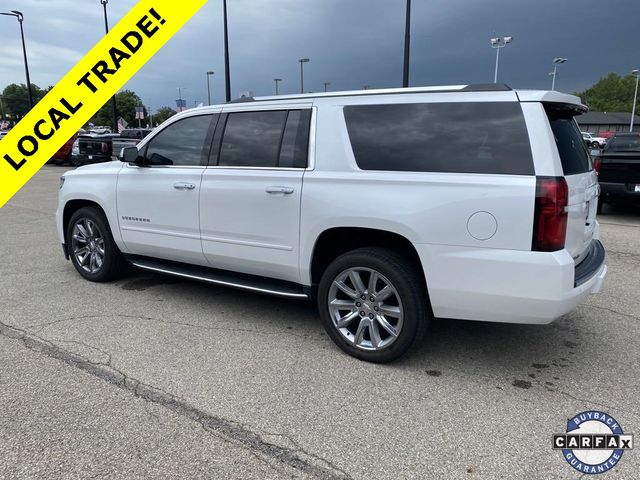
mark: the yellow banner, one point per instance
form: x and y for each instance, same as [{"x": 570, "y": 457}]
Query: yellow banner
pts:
[{"x": 87, "y": 87}]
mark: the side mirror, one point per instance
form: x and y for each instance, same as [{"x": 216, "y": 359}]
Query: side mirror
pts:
[{"x": 129, "y": 155}]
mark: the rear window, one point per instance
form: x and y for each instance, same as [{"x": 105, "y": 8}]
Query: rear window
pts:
[
  {"x": 624, "y": 143},
  {"x": 474, "y": 137},
  {"x": 574, "y": 155}
]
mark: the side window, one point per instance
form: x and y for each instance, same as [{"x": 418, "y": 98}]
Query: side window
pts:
[
  {"x": 465, "y": 137},
  {"x": 182, "y": 143},
  {"x": 266, "y": 139}
]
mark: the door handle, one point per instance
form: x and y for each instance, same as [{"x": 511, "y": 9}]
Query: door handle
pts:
[
  {"x": 283, "y": 190},
  {"x": 183, "y": 186}
]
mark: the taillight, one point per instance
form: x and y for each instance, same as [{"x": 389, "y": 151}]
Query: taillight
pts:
[
  {"x": 550, "y": 222},
  {"x": 597, "y": 164}
]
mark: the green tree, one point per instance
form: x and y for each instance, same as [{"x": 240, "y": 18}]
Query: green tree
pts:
[
  {"x": 612, "y": 93},
  {"x": 16, "y": 98},
  {"x": 126, "y": 103},
  {"x": 163, "y": 114}
]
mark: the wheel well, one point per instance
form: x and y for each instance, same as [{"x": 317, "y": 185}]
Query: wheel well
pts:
[
  {"x": 73, "y": 206},
  {"x": 334, "y": 242}
]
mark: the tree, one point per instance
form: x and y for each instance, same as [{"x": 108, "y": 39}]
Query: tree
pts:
[
  {"x": 16, "y": 98},
  {"x": 612, "y": 93},
  {"x": 163, "y": 114},
  {"x": 126, "y": 103}
]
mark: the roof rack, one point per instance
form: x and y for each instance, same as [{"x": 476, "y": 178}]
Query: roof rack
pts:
[
  {"x": 242, "y": 100},
  {"x": 487, "y": 87}
]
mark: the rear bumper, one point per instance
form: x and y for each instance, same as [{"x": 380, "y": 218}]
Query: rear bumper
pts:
[
  {"x": 624, "y": 191},
  {"x": 507, "y": 286},
  {"x": 89, "y": 159}
]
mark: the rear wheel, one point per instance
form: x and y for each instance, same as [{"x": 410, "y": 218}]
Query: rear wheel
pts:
[
  {"x": 373, "y": 304},
  {"x": 93, "y": 251},
  {"x": 595, "y": 145}
]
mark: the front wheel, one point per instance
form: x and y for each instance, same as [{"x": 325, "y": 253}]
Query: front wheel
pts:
[
  {"x": 373, "y": 304},
  {"x": 90, "y": 244},
  {"x": 595, "y": 145}
]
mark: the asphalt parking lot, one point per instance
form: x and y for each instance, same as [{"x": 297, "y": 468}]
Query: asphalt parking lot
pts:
[{"x": 153, "y": 377}]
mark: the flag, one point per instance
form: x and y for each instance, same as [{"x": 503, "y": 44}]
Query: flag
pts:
[
  {"x": 4, "y": 125},
  {"x": 139, "y": 113},
  {"x": 181, "y": 105},
  {"x": 122, "y": 125}
]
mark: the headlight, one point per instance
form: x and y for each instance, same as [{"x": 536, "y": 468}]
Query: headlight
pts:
[
  {"x": 75, "y": 149},
  {"x": 62, "y": 181}
]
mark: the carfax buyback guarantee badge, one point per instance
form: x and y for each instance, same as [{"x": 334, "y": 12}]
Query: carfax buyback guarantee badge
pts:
[{"x": 593, "y": 443}]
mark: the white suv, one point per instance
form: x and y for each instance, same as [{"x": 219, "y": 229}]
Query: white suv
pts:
[{"x": 389, "y": 207}]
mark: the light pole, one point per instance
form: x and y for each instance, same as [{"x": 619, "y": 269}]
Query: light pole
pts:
[
  {"x": 113, "y": 99},
  {"x": 227, "y": 74},
  {"x": 277, "y": 80},
  {"x": 209, "y": 75},
  {"x": 498, "y": 43},
  {"x": 635, "y": 73},
  {"x": 556, "y": 61},
  {"x": 326, "y": 86},
  {"x": 407, "y": 46},
  {"x": 367, "y": 87},
  {"x": 302, "y": 62},
  {"x": 20, "y": 17}
]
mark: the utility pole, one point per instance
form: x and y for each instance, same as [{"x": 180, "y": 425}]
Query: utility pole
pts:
[
  {"x": 407, "y": 46},
  {"x": 277, "y": 80},
  {"x": 113, "y": 99}
]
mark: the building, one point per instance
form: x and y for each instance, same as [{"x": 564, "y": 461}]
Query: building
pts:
[{"x": 603, "y": 122}]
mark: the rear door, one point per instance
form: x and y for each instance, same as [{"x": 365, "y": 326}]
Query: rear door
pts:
[
  {"x": 251, "y": 192},
  {"x": 581, "y": 179}
]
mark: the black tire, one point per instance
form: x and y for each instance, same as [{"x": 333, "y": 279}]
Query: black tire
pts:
[
  {"x": 76, "y": 162},
  {"x": 113, "y": 263},
  {"x": 595, "y": 145},
  {"x": 600, "y": 205},
  {"x": 411, "y": 292}
]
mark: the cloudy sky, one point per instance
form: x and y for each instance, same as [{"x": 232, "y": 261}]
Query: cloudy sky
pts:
[{"x": 351, "y": 43}]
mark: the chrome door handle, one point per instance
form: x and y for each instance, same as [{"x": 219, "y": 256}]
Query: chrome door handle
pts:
[
  {"x": 283, "y": 190},
  {"x": 183, "y": 186}
]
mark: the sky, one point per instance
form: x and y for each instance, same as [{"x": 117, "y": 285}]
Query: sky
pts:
[{"x": 351, "y": 43}]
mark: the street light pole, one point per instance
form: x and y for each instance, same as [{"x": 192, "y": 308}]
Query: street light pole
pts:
[
  {"x": 636, "y": 73},
  {"x": 407, "y": 46},
  {"x": 209, "y": 75},
  {"x": 113, "y": 99},
  {"x": 498, "y": 43},
  {"x": 277, "y": 80},
  {"x": 302, "y": 62},
  {"x": 556, "y": 61},
  {"x": 326, "y": 85},
  {"x": 227, "y": 74},
  {"x": 20, "y": 17}
]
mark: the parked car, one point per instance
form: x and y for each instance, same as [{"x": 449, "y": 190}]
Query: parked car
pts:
[
  {"x": 92, "y": 148},
  {"x": 64, "y": 155},
  {"x": 129, "y": 138},
  {"x": 388, "y": 207},
  {"x": 3, "y": 133},
  {"x": 592, "y": 141},
  {"x": 619, "y": 170}
]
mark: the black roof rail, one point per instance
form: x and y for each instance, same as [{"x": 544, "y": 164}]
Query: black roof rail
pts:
[
  {"x": 487, "y": 87},
  {"x": 242, "y": 100}
]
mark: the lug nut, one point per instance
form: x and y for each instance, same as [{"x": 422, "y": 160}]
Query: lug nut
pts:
[
  {"x": 376, "y": 308},
  {"x": 371, "y": 316},
  {"x": 363, "y": 297},
  {"x": 372, "y": 299},
  {"x": 358, "y": 304},
  {"x": 362, "y": 313}
]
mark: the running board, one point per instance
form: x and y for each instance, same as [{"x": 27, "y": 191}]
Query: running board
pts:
[{"x": 223, "y": 278}]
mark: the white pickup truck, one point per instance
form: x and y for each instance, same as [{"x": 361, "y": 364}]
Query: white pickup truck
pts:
[{"x": 388, "y": 207}]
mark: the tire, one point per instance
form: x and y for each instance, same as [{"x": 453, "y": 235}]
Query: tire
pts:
[
  {"x": 595, "y": 145},
  {"x": 76, "y": 162},
  {"x": 600, "y": 205},
  {"x": 408, "y": 304},
  {"x": 91, "y": 228}
]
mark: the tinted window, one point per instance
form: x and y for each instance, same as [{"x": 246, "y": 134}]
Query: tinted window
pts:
[
  {"x": 181, "y": 143},
  {"x": 624, "y": 143},
  {"x": 441, "y": 137},
  {"x": 295, "y": 141},
  {"x": 571, "y": 147},
  {"x": 252, "y": 139}
]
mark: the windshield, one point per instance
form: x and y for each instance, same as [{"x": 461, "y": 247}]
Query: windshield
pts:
[{"x": 626, "y": 143}]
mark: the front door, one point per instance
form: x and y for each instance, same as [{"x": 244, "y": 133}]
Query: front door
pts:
[{"x": 158, "y": 205}]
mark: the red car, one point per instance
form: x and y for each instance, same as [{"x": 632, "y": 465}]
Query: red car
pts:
[{"x": 63, "y": 155}]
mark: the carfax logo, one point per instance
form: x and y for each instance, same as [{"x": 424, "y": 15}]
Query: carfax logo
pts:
[{"x": 594, "y": 442}]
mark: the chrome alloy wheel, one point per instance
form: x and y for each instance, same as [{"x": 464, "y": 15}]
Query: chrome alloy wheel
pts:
[
  {"x": 365, "y": 308},
  {"x": 87, "y": 244}
]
